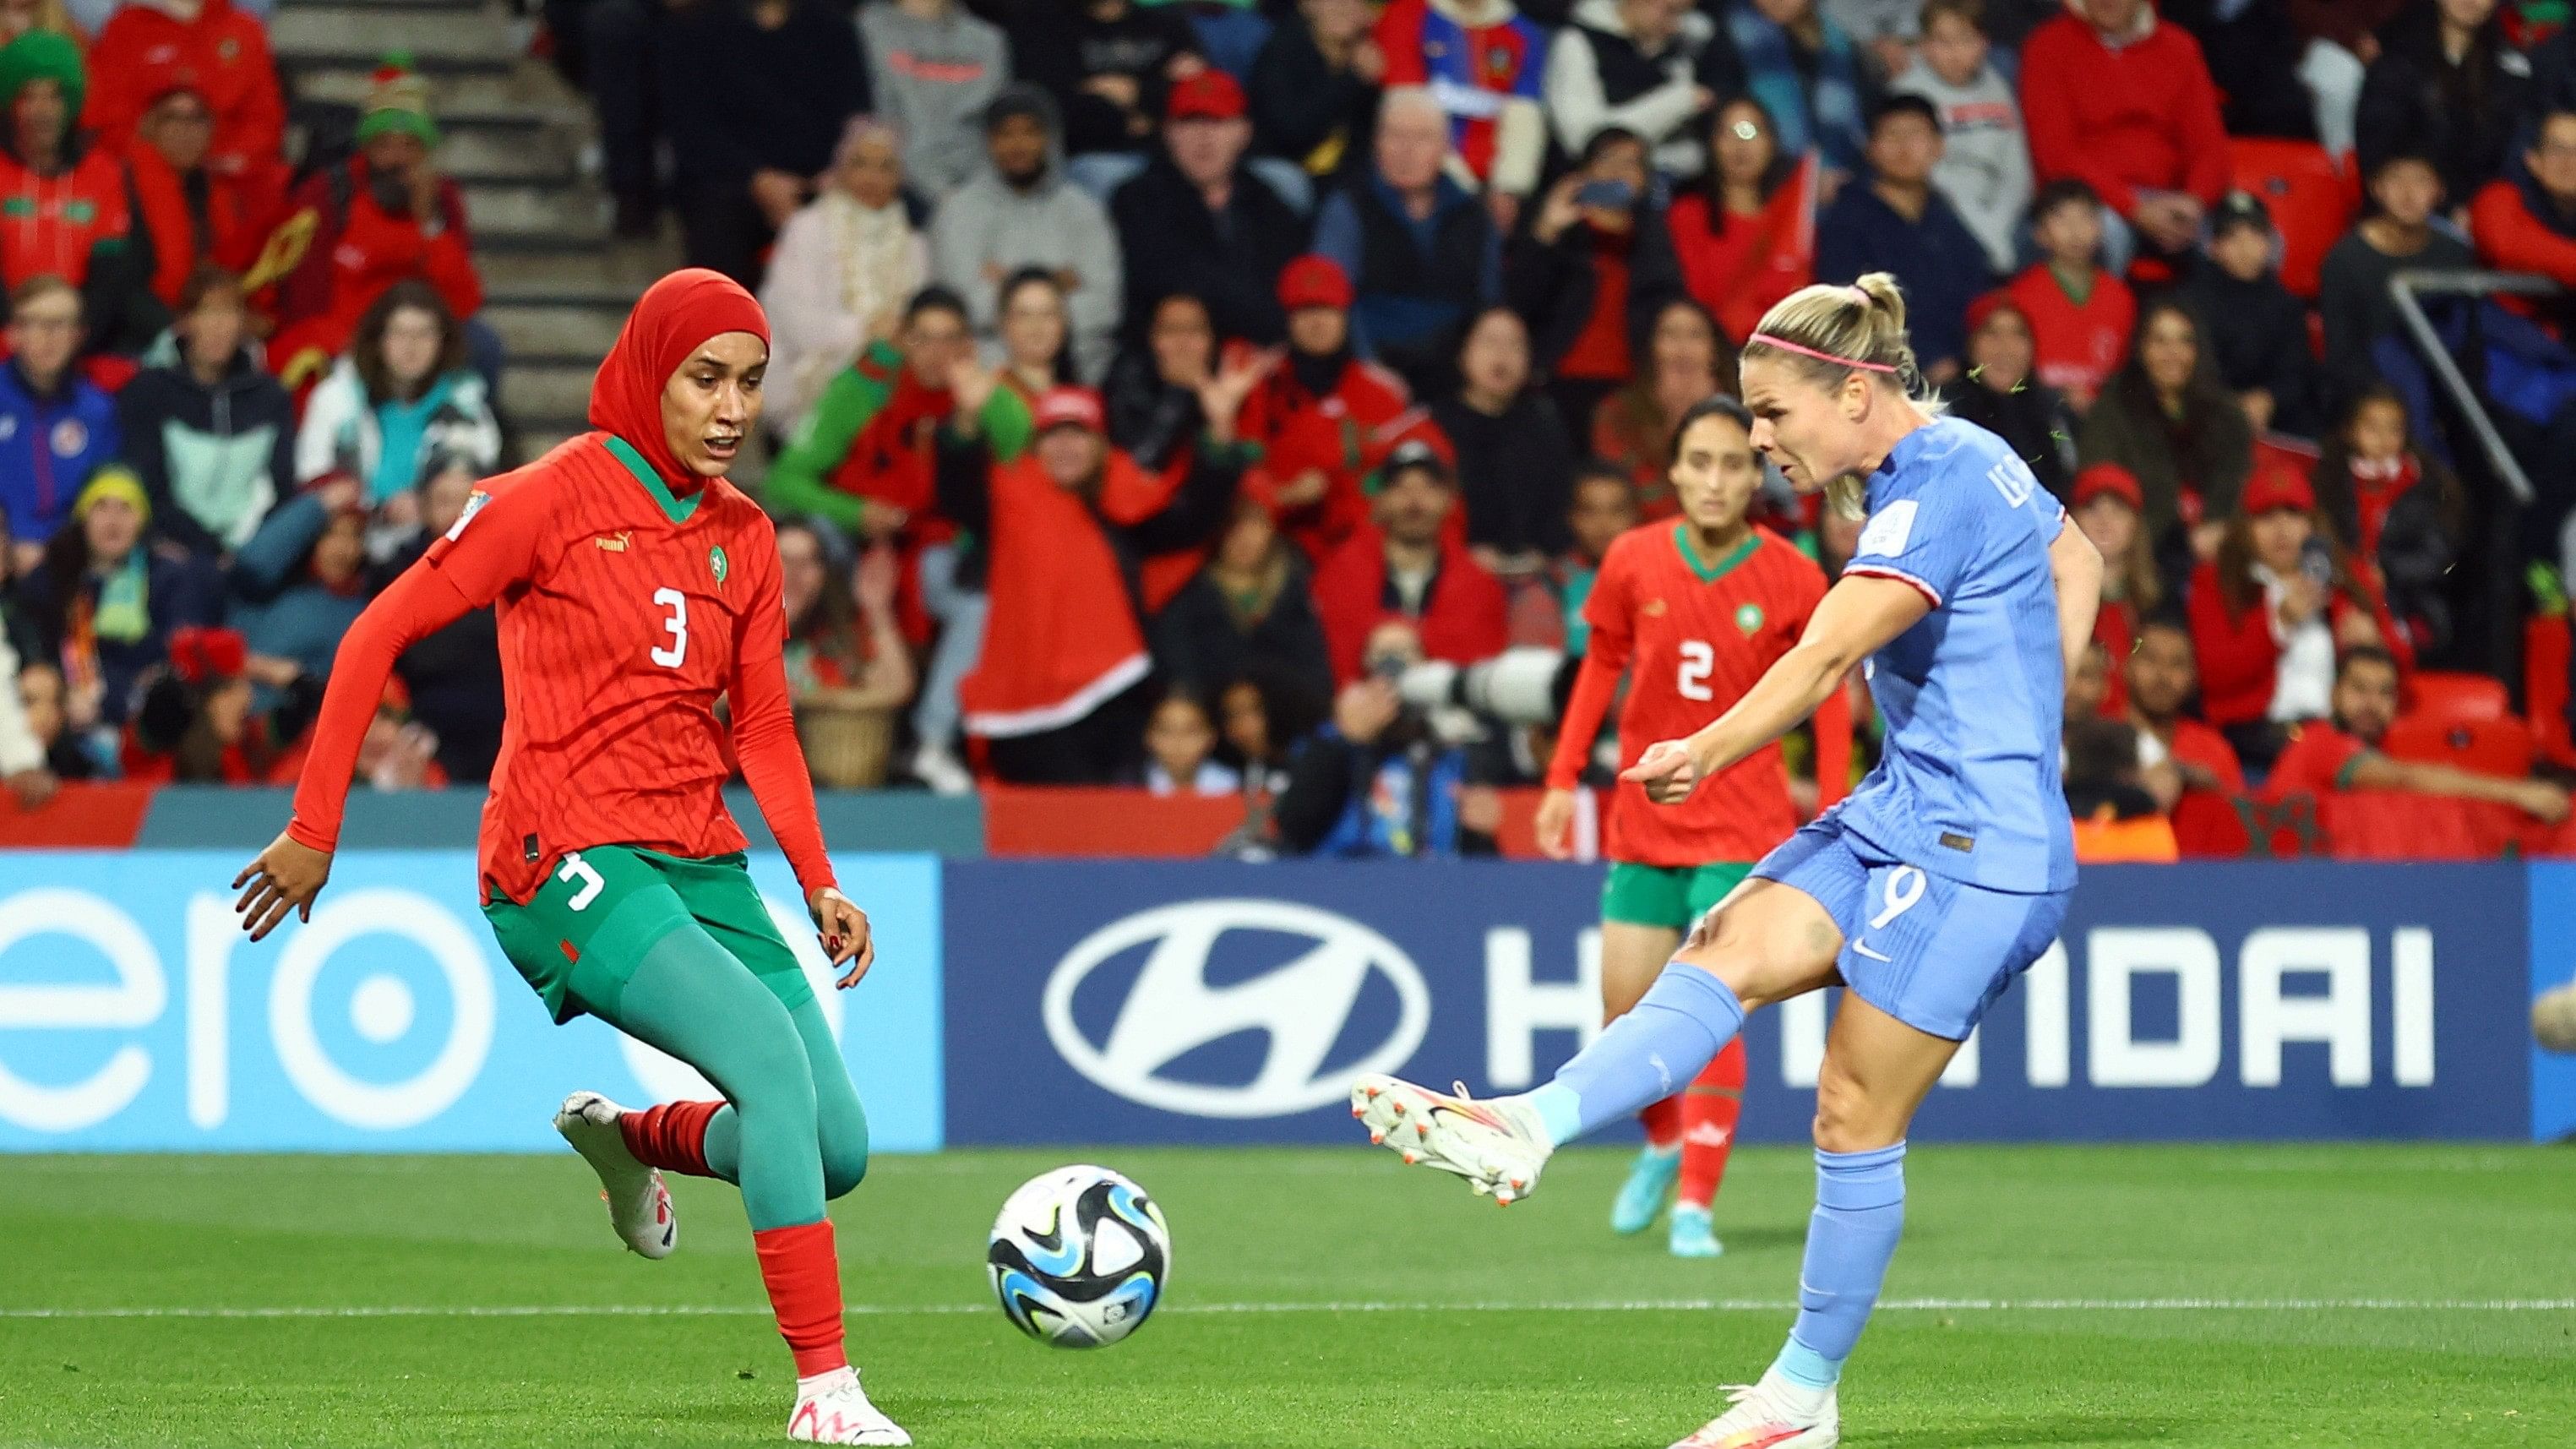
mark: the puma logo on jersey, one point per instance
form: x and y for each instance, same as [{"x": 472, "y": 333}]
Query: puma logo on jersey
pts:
[
  {"x": 1652, "y": 608},
  {"x": 615, "y": 542}
]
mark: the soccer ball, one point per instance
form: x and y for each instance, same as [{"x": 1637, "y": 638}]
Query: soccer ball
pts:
[
  {"x": 2553, "y": 1019},
  {"x": 1078, "y": 1257}
]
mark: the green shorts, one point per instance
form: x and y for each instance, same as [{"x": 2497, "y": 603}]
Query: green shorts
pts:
[
  {"x": 579, "y": 938},
  {"x": 1671, "y": 896}
]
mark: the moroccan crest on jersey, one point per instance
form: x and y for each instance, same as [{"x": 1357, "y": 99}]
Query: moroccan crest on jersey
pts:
[
  {"x": 1748, "y": 616},
  {"x": 716, "y": 564}
]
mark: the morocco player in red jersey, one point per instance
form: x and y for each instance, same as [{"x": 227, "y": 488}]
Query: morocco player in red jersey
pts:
[
  {"x": 634, "y": 586},
  {"x": 1692, "y": 610}
]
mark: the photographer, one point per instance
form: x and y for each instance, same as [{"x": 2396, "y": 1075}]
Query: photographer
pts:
[{"x": 1378, "y": 780}]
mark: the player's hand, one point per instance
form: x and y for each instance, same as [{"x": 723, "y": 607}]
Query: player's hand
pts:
[
  {"x": 1667, "y": 769},
  {"x": 2543, "y": 801},
  {"x": 33, "y": 787},
  {"x": 845, "y": 934},
  {"x": 286, "y": 877},
  {"x": 1555, "y": 824}
]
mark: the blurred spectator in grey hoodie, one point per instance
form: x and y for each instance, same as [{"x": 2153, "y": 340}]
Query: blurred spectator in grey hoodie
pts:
[
  {"x": 1985, "y": 159},
  {"x": 932, "y": 69},
  {"x": 1020, "y": 211}
]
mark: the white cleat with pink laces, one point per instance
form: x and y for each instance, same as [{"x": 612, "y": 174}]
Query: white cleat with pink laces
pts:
[
  {"x": 1773, "y": 1414},
  {"x": 1498, "y": 1146},
  {"x": 832, "y": 1409}
]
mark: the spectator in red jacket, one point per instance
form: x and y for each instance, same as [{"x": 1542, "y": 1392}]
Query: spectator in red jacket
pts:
[
  {"x": 225, "y": 52},
  {"x": 1746, "y": 234},
  {"x": 2172, "y": 746},
  {"x": 2126, "y": 103},
  {"x": 1410, "y": 566},
  {"x": 356, "y": 229},
  {"x": 2272, "y": 611},
  {"x": 62, "y": 194},
  {"x": 2528, "y": 223},
  {"x": 2342, "y": 752},
  {"x": 188, "y": 213},
  {"x": 1322, "y": 416},
  {"x": 2080, "y": 311}
]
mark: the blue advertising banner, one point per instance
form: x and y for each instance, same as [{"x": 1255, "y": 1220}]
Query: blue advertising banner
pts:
[
  {"x": 2553, "y": 966},
  {"x": 1227, "y": 1002},
  {"x": 135, "y": 1017}
]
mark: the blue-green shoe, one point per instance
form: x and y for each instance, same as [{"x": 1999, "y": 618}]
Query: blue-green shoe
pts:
[
  {"x": 1694, "y": 1236},
  {"x": 1641, "y": 1197}
]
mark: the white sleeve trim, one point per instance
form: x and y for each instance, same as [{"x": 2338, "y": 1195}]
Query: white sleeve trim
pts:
[{"x": 1889, "y": 571}]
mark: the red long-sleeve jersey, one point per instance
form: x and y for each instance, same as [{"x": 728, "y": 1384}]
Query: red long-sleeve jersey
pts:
[{"x": 624, "y": 613}]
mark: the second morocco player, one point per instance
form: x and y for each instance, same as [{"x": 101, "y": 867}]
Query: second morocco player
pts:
[
  {"x": 1692, "y": 610},
  {"x": 634, "y": 586}
]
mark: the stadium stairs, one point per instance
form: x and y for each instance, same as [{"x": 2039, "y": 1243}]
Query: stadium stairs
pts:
[{"x": 556, "y": 286}]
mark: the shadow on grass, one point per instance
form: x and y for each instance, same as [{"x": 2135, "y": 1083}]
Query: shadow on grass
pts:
[{"x": 2046, "y": 1429}]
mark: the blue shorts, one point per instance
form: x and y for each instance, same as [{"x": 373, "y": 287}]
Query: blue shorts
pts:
[{"x": 1931, "y": 951}]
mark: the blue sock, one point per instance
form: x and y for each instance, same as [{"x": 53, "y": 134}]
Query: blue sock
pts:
[
  {"x": 1860, "y": 1213},
  {"x": 1686, "y": 1018}
]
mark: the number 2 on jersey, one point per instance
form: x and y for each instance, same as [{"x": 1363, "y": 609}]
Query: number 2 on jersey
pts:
[
  {"x": 1699, "y": 661},
  {"x": 677, "y": 623}
]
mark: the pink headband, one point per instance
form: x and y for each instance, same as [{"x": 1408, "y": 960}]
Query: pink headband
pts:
[{"x": 1767, "y": 340}]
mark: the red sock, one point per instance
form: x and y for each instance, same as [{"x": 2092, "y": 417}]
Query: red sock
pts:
[
  {"x": 1709, "y": 1108},
  {"x": 672, "y": 1136},
  {"x": 1662, "y": 1121},
  {"x": 804, "y": 1279}
]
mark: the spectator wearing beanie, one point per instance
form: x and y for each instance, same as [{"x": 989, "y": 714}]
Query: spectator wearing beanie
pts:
[
  {"x": 2449, "y": 85},
  {"x": 1809, "y": 74},
  {"x": 1019, "y": 212},
  {"x": 932, "y": 69},
  {"x": 1313, "y": 88},
  {"x": 1897, "y": 221},
  {"x": 1419, "y": 250},
  {"x": 1410, "y": 566},
  {"x": 1109, "y": 65},
  {"x": 2080, "y": 313},
  {"x": 1198, "y": 220},
  {"x": 1635, "y": 65},
  {"x": 187, "y": 214},
  {"x": 845, "y": 265},
  {"x": 2270, "y": 612},
  {"x": 2352, "y": 289},
  {"x": 1984, "y": 170},
  {"x": 754, "y": 94},
  {"x": 1484, "y": 65},
  {"x": 1999, "y": 393},
  {"x": 224, "y": 53},
  {"x": 104, "y": 602},
  {"x": 1746, "y": 235},
  {"x": 1515, "y": 459},
  {"x": 1591, "y": 270},
  {"x": 2125, "y": 103},
  {"x": 209, "y": 432},
  {"x": 63, "y": 209},
  {"x": 1057, "y": 696},
  {"x": 2258, "y": 332},
  {"x": 1322, "y": 415},
  {"x": 2168, "y": 419},
  {"x": 56, "y": 427},
  {"x": 384, "y": 216},
  {"x": 2527, "y": 223}
]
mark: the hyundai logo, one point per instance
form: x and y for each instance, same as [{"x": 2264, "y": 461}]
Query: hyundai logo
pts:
[{"x": 1302, "y": 1007}]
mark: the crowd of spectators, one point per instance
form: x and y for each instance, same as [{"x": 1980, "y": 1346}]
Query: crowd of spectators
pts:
[{"x": 1155, "y": 384}]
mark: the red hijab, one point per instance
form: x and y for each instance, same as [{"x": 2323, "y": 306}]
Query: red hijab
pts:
[{"x": 673, "y": 318}]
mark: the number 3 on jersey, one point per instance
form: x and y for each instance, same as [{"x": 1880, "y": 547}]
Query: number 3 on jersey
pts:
[
  {"x": 1699, "y": 662},
  {"x": 677, "y": 622}
]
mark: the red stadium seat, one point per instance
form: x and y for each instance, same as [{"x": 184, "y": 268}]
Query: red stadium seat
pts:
[
  {"x": 2499, "y": 747},
  {"x": 2546, "y": 646},
  {"x": 2310, "y": 198},
  {"x": 2442, "y": 696}
]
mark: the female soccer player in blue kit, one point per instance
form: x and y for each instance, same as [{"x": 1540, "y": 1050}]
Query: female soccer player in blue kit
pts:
[{"x": 1942, "y": 877}]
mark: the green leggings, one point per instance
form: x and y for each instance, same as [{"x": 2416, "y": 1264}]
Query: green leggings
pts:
[{"x": 682, "y": 955}]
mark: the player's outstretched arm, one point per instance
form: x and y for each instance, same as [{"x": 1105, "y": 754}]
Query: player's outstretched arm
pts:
[
  {"x": 2077, "y": 566},
  {"x": 1859, "y": 615}
]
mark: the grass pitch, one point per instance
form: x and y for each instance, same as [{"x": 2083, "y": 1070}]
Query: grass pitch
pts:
[{"x": 2180, "y": 1297}]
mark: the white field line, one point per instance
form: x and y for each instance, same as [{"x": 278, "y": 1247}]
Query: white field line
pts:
[{"x": 1643, "y": 1305}]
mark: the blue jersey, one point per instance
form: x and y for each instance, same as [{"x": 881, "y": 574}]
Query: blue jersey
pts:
[{"x": 1974, "y": 694}]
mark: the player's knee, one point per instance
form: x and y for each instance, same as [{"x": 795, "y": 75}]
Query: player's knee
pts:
[
  {"x": 1847, "y": 1120},
  {"x": 845, "y": 1166}
]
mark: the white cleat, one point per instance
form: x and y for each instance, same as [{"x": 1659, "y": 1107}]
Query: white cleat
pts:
[
  {"x": 1773, "y": 1414},
  {"x": 639, "y": 1206},
  {"x": 1498, "y": 1146},
  {"x": 832, "y": 1409}
]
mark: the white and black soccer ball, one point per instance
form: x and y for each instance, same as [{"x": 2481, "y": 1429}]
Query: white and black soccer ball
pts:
[{"x": 1079, "y": 1257}]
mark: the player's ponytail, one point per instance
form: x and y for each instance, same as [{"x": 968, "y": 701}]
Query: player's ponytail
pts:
[{"x": 1834, "y": 332}]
